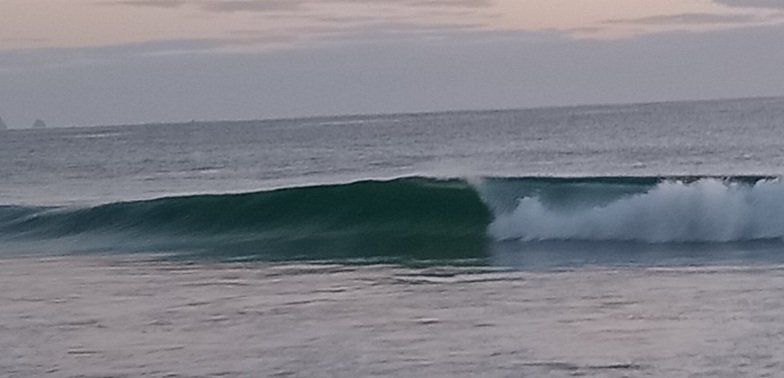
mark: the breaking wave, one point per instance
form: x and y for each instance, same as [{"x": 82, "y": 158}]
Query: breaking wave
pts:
[
  {"x": 671, "y": 211},
  {"x": 409, "y": 219}
]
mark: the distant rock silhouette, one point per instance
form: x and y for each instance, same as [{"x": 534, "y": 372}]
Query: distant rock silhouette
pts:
[
  {"x": 39, "y": 124},
  {"x": 3, "y": 126}
]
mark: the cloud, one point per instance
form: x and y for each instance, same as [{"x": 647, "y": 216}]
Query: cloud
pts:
[
  {"x": 217, "y": 6},
  {"x": 687, "y": 22},
  {"x": 264, "y": 25},
  {"x": 27, "y": 40},
  {"x": 250, "y": 5},
  {"x": 398, "y": 76},
  {"x": 273, "y": 24},
  {"x": 45, "y": 58},
  {"x": 149, "y": 3},
  {"x": 263, "y": 6},
  {"x": 424, "y": 3},
  {"x": 771, "y": 4},
  {"x": 690, "y": 19}
]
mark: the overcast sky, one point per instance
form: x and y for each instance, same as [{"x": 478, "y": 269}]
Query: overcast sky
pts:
[{"x": 101, "y": 62}]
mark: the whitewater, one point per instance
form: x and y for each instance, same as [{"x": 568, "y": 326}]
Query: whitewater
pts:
[
  {"x": 610, "y": 241},
  {"x": 414, "y": 219},
  {"x": 706, "y": 210}
]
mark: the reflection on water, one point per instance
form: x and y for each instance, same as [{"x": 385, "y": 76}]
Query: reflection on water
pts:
[{"x": 573, "y": 254}]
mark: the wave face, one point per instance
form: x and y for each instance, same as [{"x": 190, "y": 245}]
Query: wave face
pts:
[
  {"x": 411, "y": 218},
  {"x": 674, "y": 210}
]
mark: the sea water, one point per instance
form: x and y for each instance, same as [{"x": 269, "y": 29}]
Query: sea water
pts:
[
  {"x": 484, "y": 212},
  {"x": 693, "y": 182}
]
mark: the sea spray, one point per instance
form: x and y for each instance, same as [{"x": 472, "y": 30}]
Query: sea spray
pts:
[{"x": 672, "y": 211}]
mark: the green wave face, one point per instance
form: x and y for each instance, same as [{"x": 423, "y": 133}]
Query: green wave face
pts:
[
  {"x": 385, "y": 221},
  {"x": 409, "y": 220}
]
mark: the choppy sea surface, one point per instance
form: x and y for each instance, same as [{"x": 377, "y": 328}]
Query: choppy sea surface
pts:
[{"x": 471, "y": 230}]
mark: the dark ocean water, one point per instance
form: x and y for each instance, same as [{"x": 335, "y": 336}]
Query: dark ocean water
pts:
[{"x": 692, "y": 183}]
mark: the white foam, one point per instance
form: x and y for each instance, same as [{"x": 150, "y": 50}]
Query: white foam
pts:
[{"x": 708, "y": 210}]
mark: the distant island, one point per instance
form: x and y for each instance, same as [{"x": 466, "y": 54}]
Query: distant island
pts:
[{"x": 39, "y": 124}]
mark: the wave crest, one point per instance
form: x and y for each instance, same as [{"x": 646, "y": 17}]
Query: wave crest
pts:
[
  {"x": 704, "y": 210},
  {"x": 409, "y": 219}
]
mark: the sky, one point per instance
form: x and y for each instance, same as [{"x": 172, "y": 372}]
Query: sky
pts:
[{"x": 107, "y": 62}]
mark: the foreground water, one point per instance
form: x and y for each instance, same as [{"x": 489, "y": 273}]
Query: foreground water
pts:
[
  {"x": 610, "y": 241},
  {"x": 104, "y": 317}
]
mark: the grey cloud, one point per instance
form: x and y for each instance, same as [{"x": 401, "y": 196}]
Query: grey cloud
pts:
[
  {"x": 26, "y": 40},
  {"x": 309, "y": 21},
  {"x": 266, "y": 38},
  {"x": 287, "y": 5},
  {"x": 427, "y": 3},
  {"x": 150, "y": 3},
  {"x": 31, "y": 59},
  {"x": 376, "y": 32},
  {"x": 251, "y": 5},
  {"x": 586, "y": 30},
  {"x": 689, "y": 19},
  {"x": 212, "y": 5},
  {"x": 459, "y": 3},
  {"x": 772, "y": 4},
  {"x": 402, "y": 76}
]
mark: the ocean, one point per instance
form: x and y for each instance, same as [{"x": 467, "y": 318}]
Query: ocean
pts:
[{"x": 617, "y": 240}]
